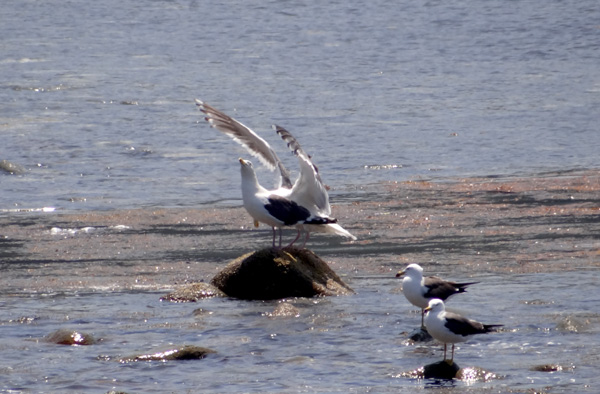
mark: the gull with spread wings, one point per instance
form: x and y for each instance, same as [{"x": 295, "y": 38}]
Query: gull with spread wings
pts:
[{"x": 303, "y": 204}]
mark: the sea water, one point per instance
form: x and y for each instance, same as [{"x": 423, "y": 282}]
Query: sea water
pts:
[
  {"x": 98, "y": 108},
  {"x": 98, "y": 99}
]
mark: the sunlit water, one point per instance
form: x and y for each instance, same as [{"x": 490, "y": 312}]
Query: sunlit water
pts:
[
  {"x": 341, "y": 344},
  {"x": 97, "y": 107}
]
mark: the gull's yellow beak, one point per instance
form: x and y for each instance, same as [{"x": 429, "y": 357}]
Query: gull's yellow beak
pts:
[
  {"x": 427, "y": 309},
  {"x": 242, "y": 161},
  {"x": 400, "y": 274}
]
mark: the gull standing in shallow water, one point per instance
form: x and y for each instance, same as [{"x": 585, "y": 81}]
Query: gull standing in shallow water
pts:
[
  {"x": 303, "y": 204},
  {"x": 418, "y": 289},
  {"x": 448, "y": 327}
]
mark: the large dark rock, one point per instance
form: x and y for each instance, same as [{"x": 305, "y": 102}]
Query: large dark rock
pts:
[{"x": 270, "y": 274}]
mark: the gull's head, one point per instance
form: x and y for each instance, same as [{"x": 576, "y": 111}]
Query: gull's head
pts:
[
  {"x": 413, "y": 271},
  {"x": 246, "y": 164},
  {"x": 247, "y": 170},
  {"x": 435, "y": 305}
]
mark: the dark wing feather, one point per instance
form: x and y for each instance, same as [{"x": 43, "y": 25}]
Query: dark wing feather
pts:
[
  {"x": 286, "y": 210},
  {"x": 460, "y": 325},
  {"x": 442, "y": 289}
]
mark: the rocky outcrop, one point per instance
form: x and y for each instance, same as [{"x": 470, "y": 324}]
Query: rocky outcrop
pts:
[{"x": 270, "y": 274}]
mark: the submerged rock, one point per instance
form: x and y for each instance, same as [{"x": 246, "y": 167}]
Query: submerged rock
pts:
[
  {"x": 193, "y": 292},
  {"x": 420, "y": 335},
  {"x": 270, "y": 274},
  {"x": 284, "y": 309},
  {"x": 11, "y": 168},
  {"x": 187, "y": 352},
  {"x": 572, "y": 324},
  {"x": 551, "y": 368},
  {"x": 68, "y": 337}
]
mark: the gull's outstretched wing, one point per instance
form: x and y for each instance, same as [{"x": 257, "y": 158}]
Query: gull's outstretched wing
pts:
[
  {"x": 308, "y": 190},
  {"x": 241, "y": 134}
]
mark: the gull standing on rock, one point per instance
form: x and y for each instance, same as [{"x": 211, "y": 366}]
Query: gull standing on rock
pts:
[
  {"x": 303, "y": 204},
  {"x": 418, "y": 289},
  {"x": 448, "y": 327}
]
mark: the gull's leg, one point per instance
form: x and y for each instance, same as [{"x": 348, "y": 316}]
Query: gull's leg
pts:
[
  {"x": 280, "y": 231},
  {"x": 306, "y": 239},
  {"x": 423, "y": 320},
  {"x": 273, "y": 228},
  {"x": 295, "y": 239}
]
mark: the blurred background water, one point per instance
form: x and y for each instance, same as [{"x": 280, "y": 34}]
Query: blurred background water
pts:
[{"x": 97, "y": 98}]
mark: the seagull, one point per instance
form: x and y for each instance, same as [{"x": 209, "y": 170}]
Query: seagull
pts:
[
  {"x": 303, "y": 204},
  {"x": 418, "y": 290},
  {"x": 448, "y": 327},
  {"x": 270, "y": 207}
]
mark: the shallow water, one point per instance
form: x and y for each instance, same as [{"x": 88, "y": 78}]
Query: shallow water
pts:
[
  {"x": 460, "y": 136},
  {"x": 340, "y": 344},
  {"x": 532, "y": 244}
]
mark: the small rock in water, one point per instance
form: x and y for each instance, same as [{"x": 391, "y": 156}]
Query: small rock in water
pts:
[
  {"x": 271, "y": 274},
  {"x": 187, "y": 352},
  {"x": 550, "y": 368},
  {"x": 24, "y": 319},
  {"x": 284, "y": 309},
  {"x": 11, "y": 168},
  {"x": 193, "y": 292},
  {"x": 68, "y": 337},
  {"x": 420, "y": 335},
  {"x": 440, "y": 370},
  {"x": 447, "y": 370}
]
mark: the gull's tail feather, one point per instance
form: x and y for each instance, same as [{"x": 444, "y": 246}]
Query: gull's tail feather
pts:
[
  {"x": 492, "y": 327},
  {"x": 330, "y": 228}
]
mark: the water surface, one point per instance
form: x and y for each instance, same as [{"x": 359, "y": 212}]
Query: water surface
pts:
[
  {"x": 460, "y": 136},
  {"x": 98, "y": 99}
]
